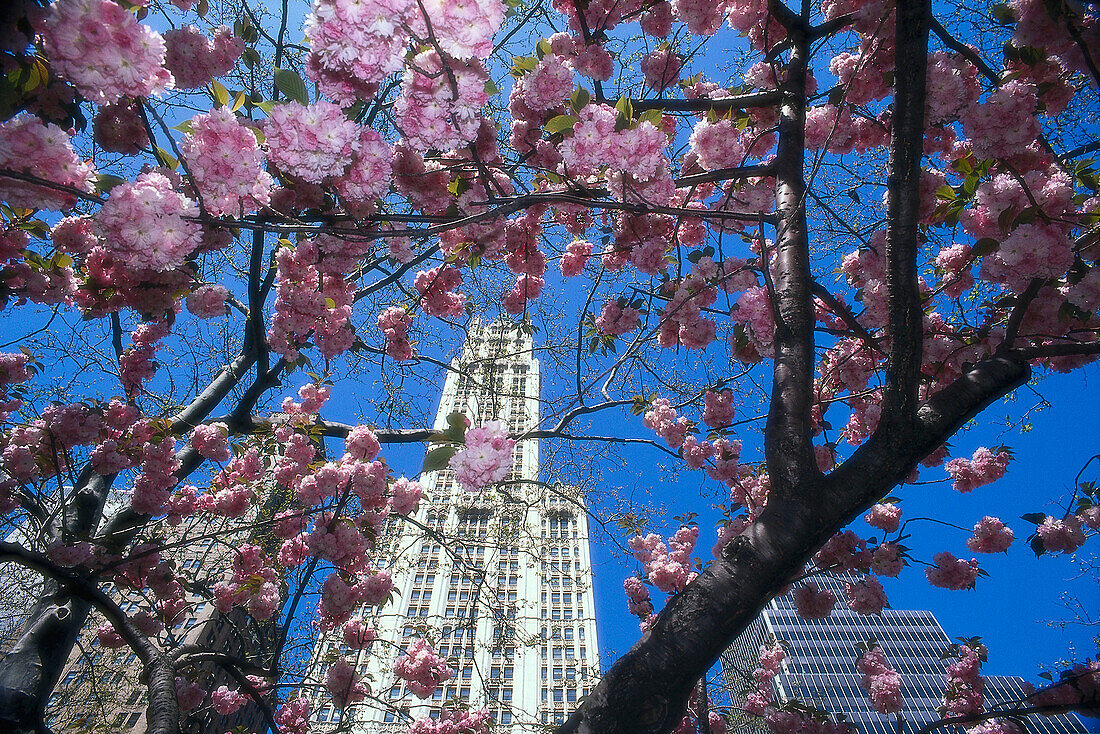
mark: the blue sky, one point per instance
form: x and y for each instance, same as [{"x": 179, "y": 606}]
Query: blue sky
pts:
[{"x": 1011, "y": 608}]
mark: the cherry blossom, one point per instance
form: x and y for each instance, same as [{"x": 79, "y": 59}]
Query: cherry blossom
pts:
[
  {"x": 421, "y": 668},
  {"x": 486, "y": 458},
  {"x": 43, "y": 150},
  {"x": 951, "y": 572},
  {"x": 225, "y": 161},
  {"x": 104, "y": 51},
  {"x": 882, "y": 683}
]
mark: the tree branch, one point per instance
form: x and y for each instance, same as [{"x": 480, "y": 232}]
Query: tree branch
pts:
[{"x": 905, "y": 315}]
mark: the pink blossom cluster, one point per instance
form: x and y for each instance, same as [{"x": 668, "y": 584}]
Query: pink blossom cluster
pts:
[
  {"x": 312, "y": 142},
  {"x": 885, "y": 516},
  {"x": 663, "y": 420},
  {"x": 768, "y": 663},
  {"x": 13, "y": 370},
  {"x": 143, "y": 225},
  {"x": 844, "y": 552},
  {"x": 696, "y": 453},
  {"x": 952, "y": 86},
  {"x": 195, "y": 58},
  {"x": 189, "y": 695},
  {"x": 354, "y": 44},
  {"x": 837, "y": 130},
  {"x": 339, "y": 598},
  {"x": 718, "y": 408},
  {"x": 118, "y": 128},
  {"x": 754, "y": 315},
  {"x": 965, "y": 685},
  {"x": 231, "y": 488},
  {"x": 337, "y": 541},
  {"x": 252, "y": 585},
  {"x": 575, "y": 257},
  {"x": 617, "y": 318},
  {"x": 358, "y": 634},
  {"x": 422, "y": 668},
  {"x": 990, "y": 536},
  {"x": 430, "y": 113},
  {"x": 951, "y": 572},
  {"x": 1005, "y": 123},
  {"x": 225, "y": 161},
  {"x": 865, "y": 596},
  {"x": 453, "y": 721},
  {"x": 661, "y": 68},
  {"x": 700, "y": 17},
  {"x": 1061, "y": 536},
  {"x": 104, "y": 51},
  {"x": 406, "y": 496},
  {"x": 135, "y": 366},
  {"x": 882, "y": 683},
  {"x": 719, "y": 144},
  {"x": 681, "y": 318},
  {"x": 361, "y": 444},
  {"x": 667, "y": 567},
  {"x": 74, "y": 235},
  {"x": 368, "y": 174},
  {"x": 813, "y": 602},
  {"x": 210, "y": 440},
  {"x": 595, "y": 143},
  {"x": 293, "y": 716},
  {"x": 463, "y": 29},
  {"x": 637, "y": 597},
  {"x": 984, "y": 467},
  {"x": 208, "y": 301},
  {"x": 547, "y": 85},
  {"x": 309, "y": 303},
  {"x": 227, "y": 701},
  {"x": 44, "y": 150},
  {"x": 887, "y": 560},
  {"x": 486, "y": 458},
  {"x": 437, "y": 291},
  {"x": 726, "y": 467},
  {"x": 344, "y": 684}
]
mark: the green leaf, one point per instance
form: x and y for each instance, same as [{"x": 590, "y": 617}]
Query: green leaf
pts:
[
  {"x": 290, "y": 84},
  {"x": 168, "y": 159},
  {"x": 1002, "y": 13},
  {"x": 625, "y": 108},
  {"x": 653, "y": 117},
  {"x": 523, "y": 64},
  {"x": 240, "y": 99},
  {"x": 221, "y": 94},
  {"x": 581, "y": 97},
  {"x": 251, "y": 57},
  {"x": 542, "y": 48},
  {"x": 437, "y": 459},
  {"x": 1035, "y": 518},
  {"x": 104, "y": 182},
  {"x": 984, "y": 246},
  {"x": 945, "y": 192},
  {"x": 560, "y": 124}
]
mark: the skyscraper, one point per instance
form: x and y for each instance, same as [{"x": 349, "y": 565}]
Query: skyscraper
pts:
[
  {"x": 500, "y": 582},
  {"x": 100, "y": 688},
  {"x": 820, "y": 668}
]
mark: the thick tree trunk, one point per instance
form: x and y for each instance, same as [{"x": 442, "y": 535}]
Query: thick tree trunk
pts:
[{"x": 29, "y": 671}]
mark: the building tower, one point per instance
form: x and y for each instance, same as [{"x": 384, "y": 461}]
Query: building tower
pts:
[
  {"x": 820, "y": 668},
  {"x": 504, "y": 588}
]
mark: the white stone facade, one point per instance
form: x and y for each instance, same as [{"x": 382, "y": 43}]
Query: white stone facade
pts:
[{"x": 503, "y": 590}]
